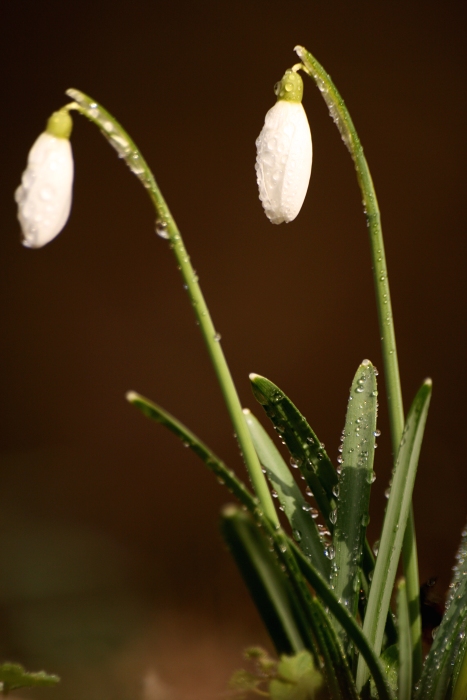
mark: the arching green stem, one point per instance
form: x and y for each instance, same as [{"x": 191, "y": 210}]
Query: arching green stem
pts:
[
  {"x": 343, "y": 121},
  {"x": 167, "y": 228}
]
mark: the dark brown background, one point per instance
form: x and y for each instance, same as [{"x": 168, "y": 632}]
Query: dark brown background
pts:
[{"x": 111, "y": 566}]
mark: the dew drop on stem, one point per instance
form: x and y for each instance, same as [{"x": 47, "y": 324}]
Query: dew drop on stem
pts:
[{"x": 161, "y": 228}]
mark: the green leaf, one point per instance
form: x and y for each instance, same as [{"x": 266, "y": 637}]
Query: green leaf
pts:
[
  {"x": 354, "y": 486},
  {"x": 395, "y": 521},
  {"x": 405, "y": 644},
  {"x": 307, "y": 451},
  {"x": 227, "y": 477},
  {"x": 269, "y": 587},
  {"x": 189, "y": 439},
  {"x": 460, "y": 673},
  {"x": 337, "y": 671},
  {"x": 439, "y": 663},
  {"x": 290, "y": 497},
  {"x": 298, "y": 679},
  {"x": 348, "y": 622},
  {"x": 390, "y": 662},
  {"x": 14, "y": 676},
  {"x": 450, "y": 640},
  {"x": 284, "y": 547}
]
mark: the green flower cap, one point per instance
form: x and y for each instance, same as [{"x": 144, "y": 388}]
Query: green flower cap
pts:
[
  {"x": 60, "y": 124},
  {"x": 290, "y": 88}
]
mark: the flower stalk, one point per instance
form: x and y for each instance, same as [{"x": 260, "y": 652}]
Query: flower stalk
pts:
[
  {"x": 344, "y": 123},
  {"x": 167, "y": 228}
]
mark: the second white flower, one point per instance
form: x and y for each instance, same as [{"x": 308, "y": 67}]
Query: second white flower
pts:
[
  {"x": 284, "y": 153},
  {"x": 44, "y": 196}
]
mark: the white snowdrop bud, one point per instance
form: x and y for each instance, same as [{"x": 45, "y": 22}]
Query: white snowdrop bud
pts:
[
  {"x": 284, "y": 152},
  {"x": 44, "y": 196}
]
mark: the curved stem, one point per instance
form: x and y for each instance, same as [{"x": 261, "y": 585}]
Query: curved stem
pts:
[
  {"x": 167, "y": 228},
  {"x": 344, "y": 123}
]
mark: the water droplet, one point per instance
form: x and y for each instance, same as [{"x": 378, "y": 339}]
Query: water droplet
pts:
[
  {"x": 330, "y": 552},
  {"x": 377, "y": 433},
  {"x": 274, "y": 494},
  {"x": 333, "y": 516},
  {"x": 371, "y": 477},
  {"x": 295, "y": 462},
  {"x": 217, "y": 337},
  {"x": 310, "y": 440},
  {"x": 306, "y": 507},
  {"x": 161, "y": 228},
  {"x": 376, "y": 548},
  {"x": 297, "y": 535},
  {"x": 314, "y": 513},
  {"x": 387, "y": 492},
  {"x": 335, "y": 490},
  {"x": 309, "y": 492},
  {"x": 365, "y": 519}
]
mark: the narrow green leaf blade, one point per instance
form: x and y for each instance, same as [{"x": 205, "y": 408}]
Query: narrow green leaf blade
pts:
[
  {"x": 354, "y": 486},
  {"x": 439, "y": 663},
  {"x": 335, "y": 659},
  {"x": 405, "y": 644},
  {"x": 460, "y": 673},
  {"x": 347, "y": 621},
  {"x": 307, "y": 451},
  {"x": 189, "y": 439},
  {"x": 268, "y": 585},
  {"x": 395, "y": 521},
  {"x": 290, "y": 497},
  {"x": 450, "y": 640},
  {"x": 281, "y": 543}
]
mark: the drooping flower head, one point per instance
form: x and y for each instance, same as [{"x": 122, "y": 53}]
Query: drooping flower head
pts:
[
  {"x": 284, "y": 152},
  {"x": 44, "y": 196}
]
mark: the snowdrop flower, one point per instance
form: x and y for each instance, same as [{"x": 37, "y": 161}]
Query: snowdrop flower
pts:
[
  {"x": 284, "y": 152},
  {"x": 44, "y": 196}
]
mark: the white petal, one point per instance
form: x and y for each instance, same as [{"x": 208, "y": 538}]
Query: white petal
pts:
[
  {"x": 44, "y": 196},
  {"x": 283, "y": 161}
]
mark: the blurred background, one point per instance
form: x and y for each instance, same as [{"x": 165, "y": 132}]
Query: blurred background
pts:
[{"x": 112, "y": 570}]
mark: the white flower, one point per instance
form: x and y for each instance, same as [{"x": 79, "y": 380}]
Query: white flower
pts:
[
  {"x": 44, "y": 196},
  {"x": 284, "y": 153}
]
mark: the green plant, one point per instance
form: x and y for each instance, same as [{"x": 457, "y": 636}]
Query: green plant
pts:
[{"x": 323, "y": 598}]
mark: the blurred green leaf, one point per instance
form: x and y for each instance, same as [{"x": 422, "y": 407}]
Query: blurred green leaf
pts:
[{"x": 14, "y": 676}]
